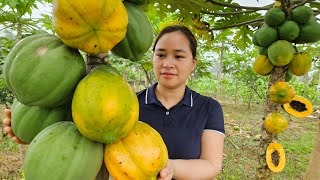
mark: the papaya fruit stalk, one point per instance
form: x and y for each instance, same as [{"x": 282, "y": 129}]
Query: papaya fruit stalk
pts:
[{"x": 92, "y": 61}]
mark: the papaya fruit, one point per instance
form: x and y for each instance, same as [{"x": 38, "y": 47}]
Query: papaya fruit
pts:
[
  {"x": 60, "y": 152},
  {"x": 299, "y": 107},
  {"x": 93, "y": 26},
  {"x": 274, "y": 17},
  {"x": 104, "y": 106},
  {"x": 254, "y": 38},
  {"x": 140, "y": 155},
  {"x": 275, "y": 123},
  {"x": 263, "y": 51},
  {"x": 289, "y": 30},
  {"x": 275, "y": 157},
  {"x": 288, "y": 76},
  {"x": 309, "y": 33},
  {"x": 281, "y": 92},
  {"x": 262, "y": 65},
  {"x": 300, "y": 64},
  {"x": 301, "y": 14},
  {"x": 266, "y": 35},
  {"x": 139, "y": 36},
  {"x": 280, "y": 52},
  {"x": 42, "y": 71},
  {"x": 28, "y": 121}
]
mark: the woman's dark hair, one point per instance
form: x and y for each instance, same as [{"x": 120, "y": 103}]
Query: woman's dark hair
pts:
[{"x": 186, "y": 31}]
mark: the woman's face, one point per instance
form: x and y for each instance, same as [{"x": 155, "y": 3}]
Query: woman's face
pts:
[{"x": 172, "y": 60}]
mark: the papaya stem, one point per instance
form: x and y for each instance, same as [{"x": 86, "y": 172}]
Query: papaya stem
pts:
[
  {"x": 301, "y": 3},
  {"x": 146, "y": 73},
  {"x": 241, "y": 7},
  {"x": 284, "y": 8},
  {"x": 228, "y": 13},
  {"x": 96, "y": 59},
  {"x": 235, "y": 25}
]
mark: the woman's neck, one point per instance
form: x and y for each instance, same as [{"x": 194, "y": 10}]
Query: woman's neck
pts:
[{"x": 169, "y": 97}]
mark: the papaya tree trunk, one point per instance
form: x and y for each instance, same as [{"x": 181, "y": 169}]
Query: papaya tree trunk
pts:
[
  {"x": 148, "y": 77},
  {"x": 306, "y": 86},
  {"x": 93, "y": 61},
  {"x": 219, "y": 71},
  {"x": 250, "y": 99},
  {"x": 262, "y": 171},
  {"x": 236, "y": 92},
  {"x": 313, "y": 171}
]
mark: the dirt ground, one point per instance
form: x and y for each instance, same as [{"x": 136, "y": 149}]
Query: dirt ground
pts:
[{"x": 10, "y": 165}]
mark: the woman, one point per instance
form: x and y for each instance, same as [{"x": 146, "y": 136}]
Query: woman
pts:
[{"x": 191, "y": 125}]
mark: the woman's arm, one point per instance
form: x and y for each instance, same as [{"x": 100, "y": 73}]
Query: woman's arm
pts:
[{"x": 207, "y": 167}]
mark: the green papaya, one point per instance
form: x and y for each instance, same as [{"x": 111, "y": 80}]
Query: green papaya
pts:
[
  {"x": 60, "y": 152},
  {"x": 28, "y": 121},
  {"x": 263, "y": 51},
  {"x": 274, "y": 17},
  {"x": 289, "y": 30},
  {"x": 280, "y": 52},
  {"x": 301, "y": 14},
  {"x": 254, "y": 38},
  {"x": 288, "y": 76},
  {"x": 42, "y": 71},
  {"x": 266, "y": 35},
  {"x": 309, "y": 33},
  {"x": 139, "y": 36}
]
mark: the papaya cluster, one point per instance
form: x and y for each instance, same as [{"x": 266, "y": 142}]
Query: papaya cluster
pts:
[
  {"x": 278, "y": 36},
  {"x": 78, "y": 123},
  {"x": 276, "y": 40}
]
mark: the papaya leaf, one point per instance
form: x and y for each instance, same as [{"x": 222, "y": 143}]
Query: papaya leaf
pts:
[
  {"x": 7, "y": 17},
  {"x": 242, "y": 37}
]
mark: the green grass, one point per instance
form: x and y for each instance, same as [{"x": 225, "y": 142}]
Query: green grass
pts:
[
  {"x": 241, "y": 146},
  {"x": 298, "y": 146},
  {"x": 6, "y": 144}
]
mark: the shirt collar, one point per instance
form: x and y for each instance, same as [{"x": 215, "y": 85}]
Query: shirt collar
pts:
[{"x": 151, "y": 97}]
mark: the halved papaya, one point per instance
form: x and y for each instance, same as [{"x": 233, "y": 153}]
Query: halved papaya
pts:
[
  {"x": 275, "y": 157},
  {"x": 299, "y": 107}
]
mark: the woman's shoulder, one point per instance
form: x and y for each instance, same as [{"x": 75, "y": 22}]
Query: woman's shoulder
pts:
[{"x": 139, "y": 93}]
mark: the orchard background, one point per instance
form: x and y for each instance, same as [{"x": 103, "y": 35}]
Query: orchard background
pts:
[{"x": 224, "y": 30}]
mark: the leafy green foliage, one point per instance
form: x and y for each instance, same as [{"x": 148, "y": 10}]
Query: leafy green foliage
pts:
[
  {"x": 184, "y": 7},
  {"x": 242, "y": 37},
  {"x": 19, "y": 7},
  {"x": 16, "y": 26},
  {"x": 6, "y": 96}
]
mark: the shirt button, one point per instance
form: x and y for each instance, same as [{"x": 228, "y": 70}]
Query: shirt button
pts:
[{"x": 167, "y": 113}]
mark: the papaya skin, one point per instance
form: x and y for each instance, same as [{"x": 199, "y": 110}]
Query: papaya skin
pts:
[
  {"x": 300, "y": 64},
  {"x": 93, "y": 26},
  {"x": 281, "y": 92},
  {"x": 104, "y": 107},
  {"x": 140, "y": 155}
]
